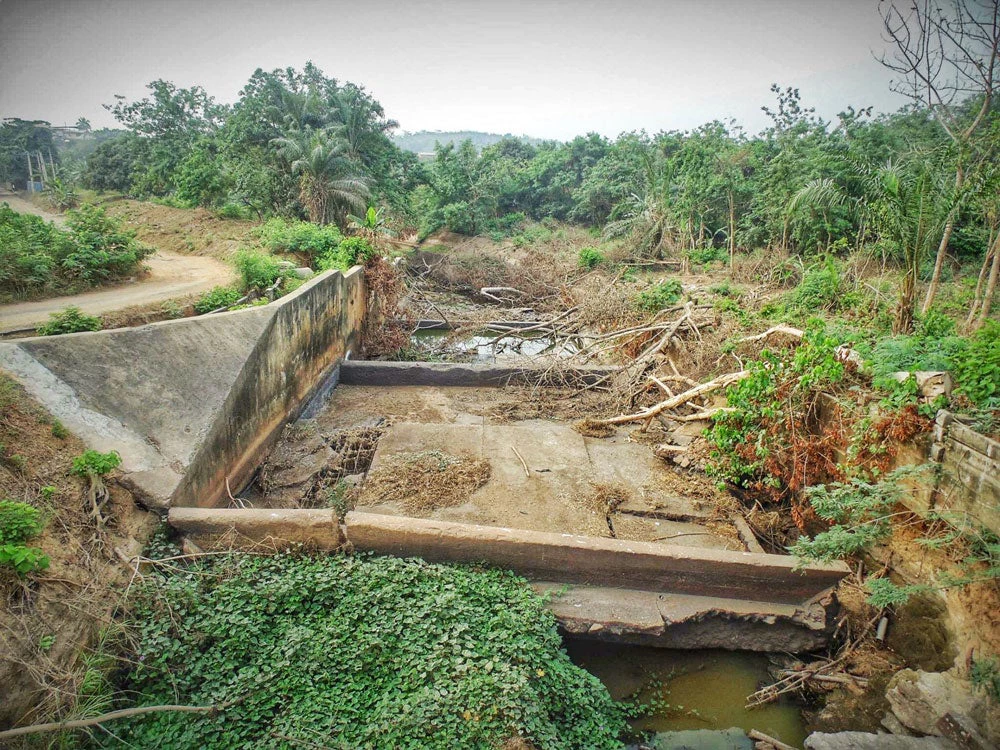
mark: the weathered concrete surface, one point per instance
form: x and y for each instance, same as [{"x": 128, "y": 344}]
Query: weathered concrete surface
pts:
[
  {"x": 594, "y": 561},
  {"x": 308, "y": 335},
  {"x": 469, "y": 375},
  {"x": 685, "y": 621},
  {"x": 556, "y": 488},
  {"x": 214, "y": 527},
  {"x": 200, "y": 394},
  {"x": 865, "y": 741},
  {"x": 970, "y": 480}
]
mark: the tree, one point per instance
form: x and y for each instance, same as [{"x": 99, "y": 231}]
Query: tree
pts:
[
  {"x": 947, "y": 59},
  {"x": 328, "y": 185}
]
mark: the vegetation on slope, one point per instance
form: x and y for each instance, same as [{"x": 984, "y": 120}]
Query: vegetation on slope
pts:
[{"x": 358, "y": 652}]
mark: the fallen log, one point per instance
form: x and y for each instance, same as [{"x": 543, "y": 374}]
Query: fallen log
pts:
[{"x": 722, "y": 381}]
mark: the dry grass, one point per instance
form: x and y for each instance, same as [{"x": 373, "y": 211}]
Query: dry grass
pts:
[
  {"x": 594, "y": 428},
  {"x": 425, "y": 481}
]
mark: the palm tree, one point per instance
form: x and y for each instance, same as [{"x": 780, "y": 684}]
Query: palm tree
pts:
[
  {"x": 329, "y": 186},
  {"x": 645, "y": 217},
  {"x": 905, "y": 203}
]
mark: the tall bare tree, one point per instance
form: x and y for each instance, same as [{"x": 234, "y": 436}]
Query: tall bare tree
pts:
[{"x": 946, "y": 57}]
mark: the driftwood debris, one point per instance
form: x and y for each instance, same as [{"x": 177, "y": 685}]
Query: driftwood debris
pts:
[{"x": 680, "y": 399}]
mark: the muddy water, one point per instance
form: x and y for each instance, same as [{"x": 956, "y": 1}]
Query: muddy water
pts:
[
  {"x": 485, "y": 347},
  {"x": 693, "y": 690}
]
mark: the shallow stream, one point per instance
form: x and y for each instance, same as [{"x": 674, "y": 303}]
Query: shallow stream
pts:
[{"x": 692, "y": 690}]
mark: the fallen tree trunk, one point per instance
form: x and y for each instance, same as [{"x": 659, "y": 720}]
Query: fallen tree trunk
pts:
[{"x": 722, "y": 381}]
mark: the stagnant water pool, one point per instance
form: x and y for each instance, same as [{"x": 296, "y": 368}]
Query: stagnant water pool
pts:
[
  {"x": 488, "y": 347},
  {"x": 692, "y": 690}
]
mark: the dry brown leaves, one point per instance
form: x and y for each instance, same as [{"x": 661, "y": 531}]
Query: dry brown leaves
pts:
[{"x": 425, "y": 481}]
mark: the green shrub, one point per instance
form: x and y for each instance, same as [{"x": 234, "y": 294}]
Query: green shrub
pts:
[
  {"x": 350, "y": 252},
  {"x": 590, "y": 257},
  {"x": 819, "y": 289},
  {"x": 220, "y": 296},
  {"x": 301, "y": 237},
  {"x": 985, "y": 675},
  {"x": 977, "y": 367},
  {"x": 19, "y": 522},
  {"x": 70, "y": 320},
  {"x": 503, "y": 227},
  {"x": 659, "y": 296},
  {"x": 59, "y": 430},
  {"x": 364, "y": 651},
  {"x": 22, "y": 559},
  {"x": 233, "y": 211},
  {"x": 94, "y": 463},
  {"x": 103, "y": 250},
  {"x": 257, "y": 270},
  {"x": 702, "y": 256}
]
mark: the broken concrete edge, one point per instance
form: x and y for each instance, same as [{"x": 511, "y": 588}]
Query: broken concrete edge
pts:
[
  {"x": 670, "y": 620},
  {"x": 311, "y": 332},
  {"x": 596, "y": 561},
  {"x": 444, "y": 374}
]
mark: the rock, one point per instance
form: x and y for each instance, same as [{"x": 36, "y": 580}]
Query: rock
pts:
[
  {"x": 286, "y": 265},
  {"x": 303, "y": 272},
  {"x": 352, "y": 480},
  {"x": 297, "y": 459},
  {"x": 865, "y": 741},
  {"x": 921, "y": 699},
  {"x": 930, "y": 385}
]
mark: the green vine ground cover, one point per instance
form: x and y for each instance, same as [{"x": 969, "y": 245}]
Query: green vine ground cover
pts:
[{"x": 352, "y": 652}]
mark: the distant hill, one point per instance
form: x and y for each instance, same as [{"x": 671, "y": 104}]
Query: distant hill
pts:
[{"x": 422, "y": 142}]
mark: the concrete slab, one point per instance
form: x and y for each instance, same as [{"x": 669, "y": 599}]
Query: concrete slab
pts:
[{"x": 543, "y": 477}]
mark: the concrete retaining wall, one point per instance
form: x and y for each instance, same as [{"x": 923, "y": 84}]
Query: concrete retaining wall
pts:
[
  {"x": 969, "y": 486},
  {"x": 310, "y": 333},
  {"x": 203, "y": 395},
  {"x": 472, "y": 375}
]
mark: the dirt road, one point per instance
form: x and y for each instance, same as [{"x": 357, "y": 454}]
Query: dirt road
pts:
[{"x": 171, "y": 275}]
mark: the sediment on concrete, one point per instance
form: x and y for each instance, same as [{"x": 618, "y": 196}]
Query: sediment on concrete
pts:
[
  {"x": 472, "y": 375},
  {"x": 211, "y": 528},
  {"x": 594, "y": 561}
]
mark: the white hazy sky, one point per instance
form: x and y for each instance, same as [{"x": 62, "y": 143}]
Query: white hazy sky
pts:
[{"x": 547, "y": 68}]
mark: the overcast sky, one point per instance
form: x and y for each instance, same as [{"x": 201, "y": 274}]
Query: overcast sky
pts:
[{"x": 547, "y": 68}]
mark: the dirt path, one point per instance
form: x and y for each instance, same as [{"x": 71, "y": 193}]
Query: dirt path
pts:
[{"x": 171, "y": 275}]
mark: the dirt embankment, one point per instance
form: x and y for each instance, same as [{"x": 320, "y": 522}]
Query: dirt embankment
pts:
[
  {"x": 185, "y": 231},
  {"x": 48, "y": 619}
]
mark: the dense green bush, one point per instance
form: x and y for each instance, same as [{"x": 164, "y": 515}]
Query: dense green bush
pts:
[
  {"x": 820, "y": 289},
  {"x": 659, "y": 295},
  {"x": 94, "y": 463},
  {"x": 350, "y": 252},
  {"x": 301, "y": 237},
  {"x": 36, "y": 256},
  {"x": 977, "y": 367},
  {"x": 358, "y": 652},
  {"x": 591, "y": 257},
  {"x": 69, "y": 320},
  {"x": 220, "y": 296},
  {"x": 257, "y": 270}
]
